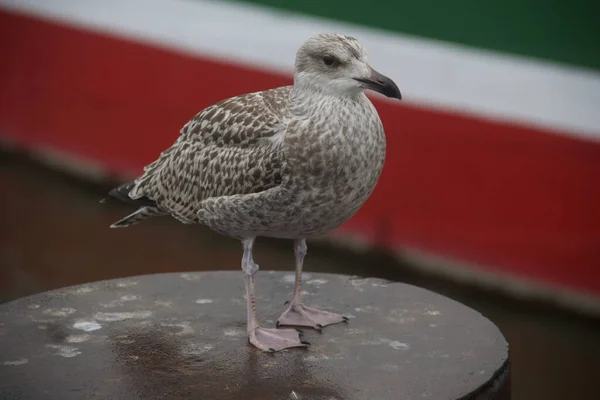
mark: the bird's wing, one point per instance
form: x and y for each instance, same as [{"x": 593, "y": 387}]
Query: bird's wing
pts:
[
  {"x": 240, "y": 120},
  {"x": 221, "y": 152}
]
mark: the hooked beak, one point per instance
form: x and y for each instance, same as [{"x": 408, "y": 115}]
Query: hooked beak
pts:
[{"x": 380, "y": 83}]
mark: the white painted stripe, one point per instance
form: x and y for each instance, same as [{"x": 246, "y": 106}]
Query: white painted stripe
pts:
[{"x": 429, "y": 73}]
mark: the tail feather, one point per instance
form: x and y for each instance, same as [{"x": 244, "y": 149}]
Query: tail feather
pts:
[
  {"x": 136, "y": 217},
  {"x": 122, "y": 193},
  {"x": 147, "y": 207}
]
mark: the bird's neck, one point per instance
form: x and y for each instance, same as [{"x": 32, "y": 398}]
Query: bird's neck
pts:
[{"x": 307, "y": 100}]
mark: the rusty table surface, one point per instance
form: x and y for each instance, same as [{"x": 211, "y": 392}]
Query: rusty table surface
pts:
[{"x": 176, "y": 336}]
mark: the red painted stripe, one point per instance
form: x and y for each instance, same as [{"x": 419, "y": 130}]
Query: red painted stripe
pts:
[{"x": 515, "y": 199}]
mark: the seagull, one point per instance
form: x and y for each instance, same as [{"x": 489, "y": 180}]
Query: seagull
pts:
[{"x": 291, "y": 162}]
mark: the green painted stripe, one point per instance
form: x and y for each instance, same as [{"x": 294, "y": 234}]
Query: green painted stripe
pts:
[{"x": 561, "y": 31}]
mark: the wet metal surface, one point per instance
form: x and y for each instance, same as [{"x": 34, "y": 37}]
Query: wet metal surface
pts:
[{"x": 182, "y": 335}]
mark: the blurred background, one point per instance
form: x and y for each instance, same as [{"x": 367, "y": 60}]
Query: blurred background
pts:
[{"x": 490, "y": 192}]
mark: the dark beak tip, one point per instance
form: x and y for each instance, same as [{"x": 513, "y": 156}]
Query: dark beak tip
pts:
[
  {"x": 392, "y": 91},
  {"x": 396, "y": 95},
  {"x": 382, "y": 84}
]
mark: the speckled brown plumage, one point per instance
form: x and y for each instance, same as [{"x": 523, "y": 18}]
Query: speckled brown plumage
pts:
[
  {"x": 230, "y": 170},
  {"x": 220, "y": 153},
  {"x": 290, "y": 162}
]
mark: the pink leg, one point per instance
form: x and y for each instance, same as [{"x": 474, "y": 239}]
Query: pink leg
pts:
[
  {"x": 265, "y": 339},
  {"x": 297, "y": 314}
]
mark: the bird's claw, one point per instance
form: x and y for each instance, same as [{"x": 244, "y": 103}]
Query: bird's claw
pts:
[{"x": 301, "y": 315}]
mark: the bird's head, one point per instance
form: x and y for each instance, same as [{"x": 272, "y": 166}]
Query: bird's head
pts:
[{"x": 337, "y": 65}]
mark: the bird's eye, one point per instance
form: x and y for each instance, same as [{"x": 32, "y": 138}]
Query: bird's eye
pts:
[{"x": 328, "y": 60}]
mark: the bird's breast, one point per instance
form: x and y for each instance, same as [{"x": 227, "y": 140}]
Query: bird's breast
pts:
[
  {"x": 336, "y": 164},
  {"x": 334, "y": 155}
]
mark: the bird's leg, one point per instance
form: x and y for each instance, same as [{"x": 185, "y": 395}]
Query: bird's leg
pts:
[
  {"x": 265, "y": 339},
  {"x": 297, "y": 314}
]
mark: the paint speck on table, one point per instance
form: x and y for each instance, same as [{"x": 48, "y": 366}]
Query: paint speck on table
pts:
[
  {"x": 59, "y": 312},
  {"x": 119, "y": 302},
  {"x": 317, "y": 282},
  {"x": 120, "y": 316},
  {"x": 65, "y": 351},
  {"x": 87, "y": 326},
  {"x": 77, "y": 338},
  {"x": 291, "y": 278},
  {"x": 18, "y": 361},
  {"x": 366, "y": 309},
  {"x": 197, "y": 348},
  {"x": 319, "y": 357},
  {"x": 234, "y": 332},
  {"x": 181, "y": 328},
  {"x": 191, "y": 276},
  {"x": 359, "y": 283},
  {"x": 126, "y": 284},
  {"x": 83, "y": 290},
  {"x": 396, "y": 345}
]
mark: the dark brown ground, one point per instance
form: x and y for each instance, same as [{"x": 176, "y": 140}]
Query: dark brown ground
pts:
[{"x": 55, "y": 233}]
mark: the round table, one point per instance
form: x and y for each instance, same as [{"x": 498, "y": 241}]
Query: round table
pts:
[{"x": 183, "y": 336}]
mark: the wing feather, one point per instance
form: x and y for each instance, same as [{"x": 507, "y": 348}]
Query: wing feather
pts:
[
  {"x": 220, "y": 152},
  {"x": 241, "y": 120}
]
